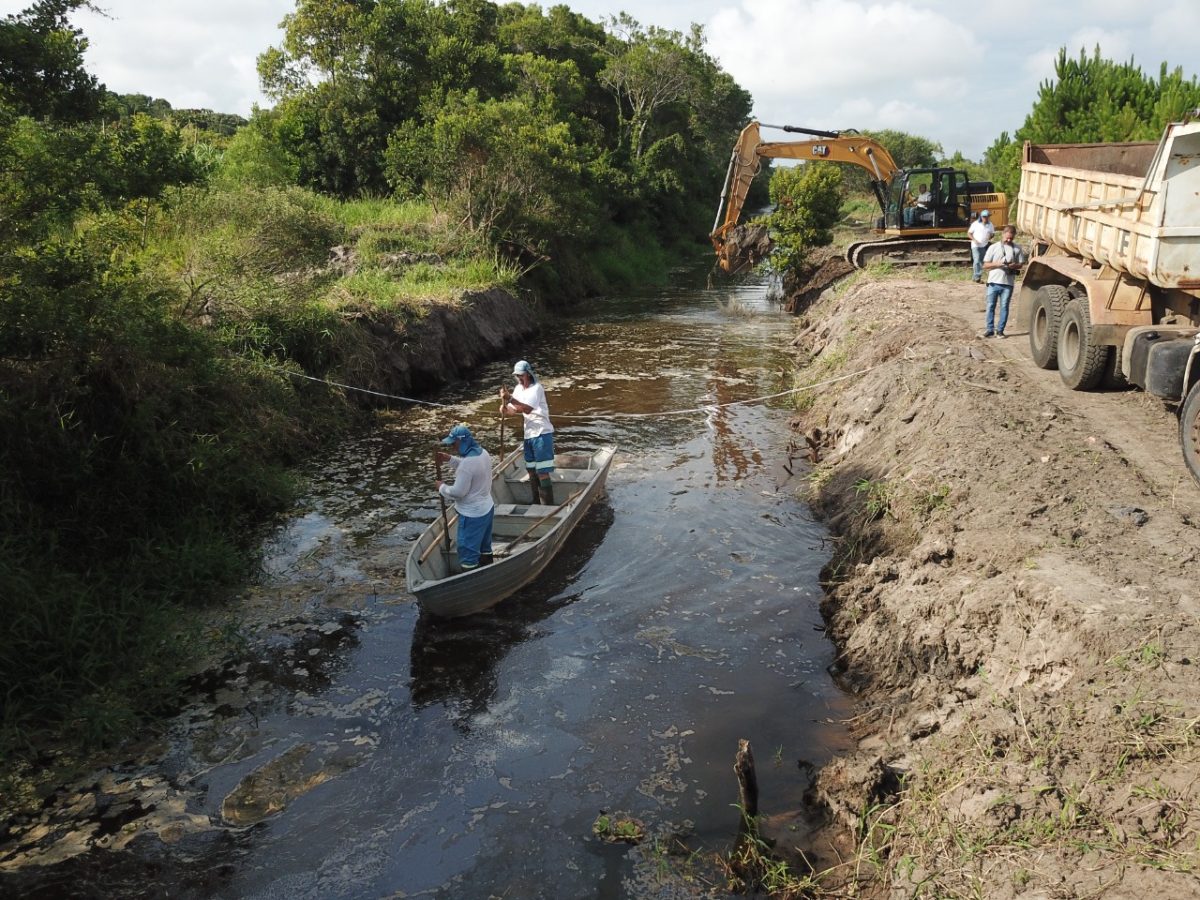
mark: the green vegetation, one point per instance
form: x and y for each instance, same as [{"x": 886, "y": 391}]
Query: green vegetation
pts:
[
  {"x": 1092, "y": 99},
  {"x": 616, "y": 828},
  {"x": 162, "y": 271},
  {"x": 752, "y": 867},
  {"x": 808, "y": 202}
]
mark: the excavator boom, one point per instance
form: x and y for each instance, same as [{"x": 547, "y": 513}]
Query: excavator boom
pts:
[{"x": 827, "y": 146}]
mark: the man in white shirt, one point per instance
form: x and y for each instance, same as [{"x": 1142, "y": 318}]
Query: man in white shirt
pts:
[
  {"x": 1002, "y": 262},
  {"x": 529, "y": 399},
  {"x": 980, "y": 233},
  {"x": 472, "y": 496}
]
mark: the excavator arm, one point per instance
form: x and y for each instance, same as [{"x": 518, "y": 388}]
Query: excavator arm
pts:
[{"x": 828, "y": 146}]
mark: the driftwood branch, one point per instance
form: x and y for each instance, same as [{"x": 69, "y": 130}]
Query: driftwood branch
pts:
[{"x": 743, "y": 768}]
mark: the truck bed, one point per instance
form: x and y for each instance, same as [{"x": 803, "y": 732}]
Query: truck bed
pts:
[{"x": 1133, "y": 207}]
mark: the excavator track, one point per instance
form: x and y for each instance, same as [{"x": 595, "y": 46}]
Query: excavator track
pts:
[{"x": 916, "y": 251}]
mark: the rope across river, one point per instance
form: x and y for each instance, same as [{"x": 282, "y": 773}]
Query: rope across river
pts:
[{"x": 695, "y": 410}]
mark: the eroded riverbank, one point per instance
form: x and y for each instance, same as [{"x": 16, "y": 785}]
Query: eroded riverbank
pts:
[{"x": 1014, "y": 599}]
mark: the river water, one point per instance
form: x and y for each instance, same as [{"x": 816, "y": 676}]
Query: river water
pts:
[{"x": 360, "y": 749}]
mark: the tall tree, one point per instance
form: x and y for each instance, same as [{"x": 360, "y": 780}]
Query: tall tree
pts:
[
  {"x": 647, "y": 70},
  {"x": 1092, "y": 99},
  {"x": 41, "y": 64}
]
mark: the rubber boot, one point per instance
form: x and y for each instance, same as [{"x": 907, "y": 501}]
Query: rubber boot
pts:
[
  {"x": 533, "y": 486},
  {"x": 547, "y": 489}
]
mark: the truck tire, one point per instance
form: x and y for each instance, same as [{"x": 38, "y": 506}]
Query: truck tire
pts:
[
  {"x": 1044, "y": 318},
  {"x": 1081, "y": 360},
  {"x": 1189, "y": 430},
  {"x": 1114, "y": 379}
]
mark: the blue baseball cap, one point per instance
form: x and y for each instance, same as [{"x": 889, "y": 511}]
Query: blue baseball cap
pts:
[
  {"x": 522, "y": 366},
  {"x": 457, "y": 433},
  {"x": 985, "y": 213}
]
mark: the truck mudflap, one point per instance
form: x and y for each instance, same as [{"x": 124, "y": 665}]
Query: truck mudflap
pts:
[{"x": 1165, "y": 366}]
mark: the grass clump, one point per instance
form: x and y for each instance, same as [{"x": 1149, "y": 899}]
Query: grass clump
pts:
[{"x": 617, "y": 827}]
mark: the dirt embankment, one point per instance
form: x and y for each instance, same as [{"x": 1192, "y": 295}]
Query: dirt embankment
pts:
[
  {"x": 1014, "y": 599},
  {"x": 448, "y": 342}
]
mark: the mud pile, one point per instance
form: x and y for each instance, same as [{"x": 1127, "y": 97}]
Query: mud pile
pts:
[{"x": 1014, "y": 600}]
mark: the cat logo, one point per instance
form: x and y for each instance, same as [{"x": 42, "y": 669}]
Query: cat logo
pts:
[{"x": 820, "y": 150}]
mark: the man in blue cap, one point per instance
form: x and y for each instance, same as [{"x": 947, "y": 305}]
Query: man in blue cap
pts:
[{"x": 472, "y": 496}]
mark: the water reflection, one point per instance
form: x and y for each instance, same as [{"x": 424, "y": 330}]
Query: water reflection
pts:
[{"x": 454, "y": 661}]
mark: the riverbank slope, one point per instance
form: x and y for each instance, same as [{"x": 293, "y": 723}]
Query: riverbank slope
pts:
[{"x": 1014, "y": 603}]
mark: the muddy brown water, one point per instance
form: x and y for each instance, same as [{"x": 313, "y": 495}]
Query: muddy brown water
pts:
[{"x": 360, "y": 749}]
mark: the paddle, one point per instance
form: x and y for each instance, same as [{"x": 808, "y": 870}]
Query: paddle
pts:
[
  {"x": 437, "y": 467},
  {"x": 502, "y": 423}
]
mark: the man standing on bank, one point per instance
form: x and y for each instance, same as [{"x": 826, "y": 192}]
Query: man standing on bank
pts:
[
  {"x": 472, "y": 496},
  {"x": 529, "y": 399},
  {"x": 980, "y": 232},
  {"x": 1002, "y": 262}
]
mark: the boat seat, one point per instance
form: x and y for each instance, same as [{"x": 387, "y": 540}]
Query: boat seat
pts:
[
  {"x": 572, "y": 476},
  {"x": 526, "y": 510}
]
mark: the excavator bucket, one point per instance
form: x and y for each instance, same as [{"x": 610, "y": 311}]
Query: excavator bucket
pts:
[{"x": 742, "y": 247}]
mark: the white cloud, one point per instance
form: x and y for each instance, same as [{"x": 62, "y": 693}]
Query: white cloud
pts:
[
  {"x": 1039, "y": 66},
  {"x": 1112, "y": 45},
  {"x": 800, "y": 59},
  {"x": 192, "y": 53}
]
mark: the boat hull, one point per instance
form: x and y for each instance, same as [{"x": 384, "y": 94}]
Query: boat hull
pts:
[{"x": 525, "y": 537}]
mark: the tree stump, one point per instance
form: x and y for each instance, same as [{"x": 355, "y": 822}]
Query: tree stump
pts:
[{"x": 743, "y": 767}]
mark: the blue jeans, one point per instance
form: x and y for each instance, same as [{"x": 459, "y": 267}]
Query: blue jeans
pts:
[
  {"x": 977, "y": 261},
  {"x": 474, "y": 537},
  {"x": 1001, "y": 293}
]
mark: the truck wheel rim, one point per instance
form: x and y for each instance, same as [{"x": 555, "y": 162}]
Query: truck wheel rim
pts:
[
  {"x": 1041, "y": 327},
  {"x": 1069, "y": 346}
]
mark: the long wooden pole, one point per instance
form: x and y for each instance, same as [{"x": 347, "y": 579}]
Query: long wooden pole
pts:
[
  {"x": 502, "y": 428},
  {"x": 434, "y": 546},
  {"x": 437, "y": 467}
]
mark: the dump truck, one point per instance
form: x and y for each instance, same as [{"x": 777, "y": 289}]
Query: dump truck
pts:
[{"x": 1112, "y": 289}]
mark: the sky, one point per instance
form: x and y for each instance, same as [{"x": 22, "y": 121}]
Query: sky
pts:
[{"x": 927, "y": 67}]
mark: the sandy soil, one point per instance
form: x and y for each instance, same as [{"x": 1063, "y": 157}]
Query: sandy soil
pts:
[{"x": 1013, "y": 596}]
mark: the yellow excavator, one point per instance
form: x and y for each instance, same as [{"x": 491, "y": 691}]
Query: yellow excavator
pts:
[{"x": 914, "y": 224}]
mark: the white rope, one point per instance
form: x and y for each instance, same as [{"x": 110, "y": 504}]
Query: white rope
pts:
[
  {"x": 361, "y": 390},
  {"x": 707, "y": 408},
  {"x": 711, "y": 407}
]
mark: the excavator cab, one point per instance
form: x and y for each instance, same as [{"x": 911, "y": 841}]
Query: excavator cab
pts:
[{"x": 946, "y": 204}]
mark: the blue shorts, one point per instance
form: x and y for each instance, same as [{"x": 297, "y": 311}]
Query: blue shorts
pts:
[
  {"x": 539, "y": 452},
  {"x": 474, "y": 537}
]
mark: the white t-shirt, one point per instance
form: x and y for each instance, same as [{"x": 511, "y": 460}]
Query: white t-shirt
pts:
[
  {"x": 538, "y": 421},
  {"x": 472, "y": 487},
  {"x": 981, "y": 233},
  {"x": 1007, "y": 252}
]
